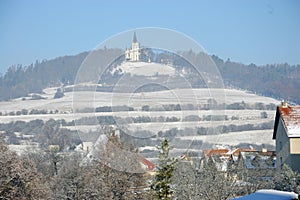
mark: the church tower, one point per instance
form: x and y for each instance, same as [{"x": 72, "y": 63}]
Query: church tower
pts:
[{"x": 133, "y": 54}]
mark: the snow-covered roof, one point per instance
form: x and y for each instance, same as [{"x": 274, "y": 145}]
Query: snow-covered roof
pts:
[
  {"x": 290, "y": 116},
  {"x": 269, "y": 194}
]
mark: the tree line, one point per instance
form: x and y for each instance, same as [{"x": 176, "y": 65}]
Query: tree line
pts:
[
  {"x": 275, "y": 80},
  {"x": 53, "y": 173}
]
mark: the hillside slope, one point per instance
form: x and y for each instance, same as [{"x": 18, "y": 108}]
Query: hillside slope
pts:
[
  {"x": 281, "y": 81},
  {"x": 244, "y": 119}
]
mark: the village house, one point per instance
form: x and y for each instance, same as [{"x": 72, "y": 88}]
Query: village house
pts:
[
  {"x": 244, "y": 163},
  {"x": 256, "y": 165},
  {"x": 222, "y": 158},
  {"x": 218, "y": 157},
  {"x": 287, "y": 136}
]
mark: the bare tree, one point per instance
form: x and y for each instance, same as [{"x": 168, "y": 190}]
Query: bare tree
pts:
[
  {"x": 215, "y": 184},
  {"x": 185, "y": 181},
  {"x": 19, "y": 178},
  {"x": 97, "y": 179}
]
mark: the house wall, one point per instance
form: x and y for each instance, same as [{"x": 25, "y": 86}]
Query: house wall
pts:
[
  {"x": 295, "y": 165},
  {"x": 282, "y": 146},
  {"x": 295, "y": 145},
  {"x": 295, "y": 153}
]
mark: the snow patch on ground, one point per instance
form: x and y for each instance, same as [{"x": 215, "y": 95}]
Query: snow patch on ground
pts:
[{"x": 145, "y": 69}]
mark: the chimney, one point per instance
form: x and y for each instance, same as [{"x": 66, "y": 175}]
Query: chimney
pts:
[{"x": 284, "y": 104}]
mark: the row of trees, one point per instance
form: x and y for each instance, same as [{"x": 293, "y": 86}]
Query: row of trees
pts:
[
  {"x": 43, "y": 133},
  {"x": 211, "y": 104},
  {"x": 29, "y": 112}
]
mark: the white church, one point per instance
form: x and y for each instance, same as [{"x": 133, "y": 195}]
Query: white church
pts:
[{"x": 133, "y": 54}]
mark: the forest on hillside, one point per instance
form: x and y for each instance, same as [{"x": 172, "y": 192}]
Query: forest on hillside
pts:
[
  {"x": 281, "y": 81},
  {"x": 275, "y": 80}
]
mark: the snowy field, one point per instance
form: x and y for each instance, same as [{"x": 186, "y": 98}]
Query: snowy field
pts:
[
  {"x": 244, "y": 115},
  {"x": 179, "y": 96},
  {"x": 154, "y": 99},
  {"x": 146, "y": 69}
]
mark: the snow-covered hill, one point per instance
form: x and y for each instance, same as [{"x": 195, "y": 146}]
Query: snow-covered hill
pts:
[
  {"x": 63, "y": 108},
  {"x": 183, "y": 96}
]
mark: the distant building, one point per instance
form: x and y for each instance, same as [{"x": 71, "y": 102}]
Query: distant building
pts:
[
  {"x": 222, "y": 158},
  {"x": 85, "y": 146},
  {"x": 287, "y": 136},
  {"x": 217, "y": 157},
  {"x": 256, "y": 165},
  {"x": 104, "y": 147},
  {"x": 133, "y": 54},
  {"x": 243, "y": 163}
]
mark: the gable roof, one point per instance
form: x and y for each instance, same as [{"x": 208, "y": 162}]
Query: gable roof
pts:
[
  {"x": 290, "y": 116},
  {"x": 218, "y": 152},
  {"x": 225, "y": 152}
]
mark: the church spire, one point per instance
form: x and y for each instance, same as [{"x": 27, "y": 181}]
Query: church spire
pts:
[
  {"x": 134, "y": 38},
  {"x": 133, "y": 54}
]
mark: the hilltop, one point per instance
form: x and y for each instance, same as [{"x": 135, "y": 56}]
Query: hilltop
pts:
[{"x": 281, "y": 81}]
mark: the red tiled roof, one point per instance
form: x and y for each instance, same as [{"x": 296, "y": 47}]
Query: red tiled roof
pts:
[
  {"x": 149, "y": 164},
  {"x": 237, "y": 151},
  {"x": 220, "y": 152},
  {"x": 290, "y": 116},
  {"x": 211, "y": 152}
]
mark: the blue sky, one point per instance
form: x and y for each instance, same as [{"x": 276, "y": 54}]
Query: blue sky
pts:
[{"x": 246, "y": 31}]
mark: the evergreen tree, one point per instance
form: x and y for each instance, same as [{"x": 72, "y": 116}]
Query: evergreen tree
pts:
[
  {"x": 59, "y": 93},
  {"x": 163, "y": 178}
]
